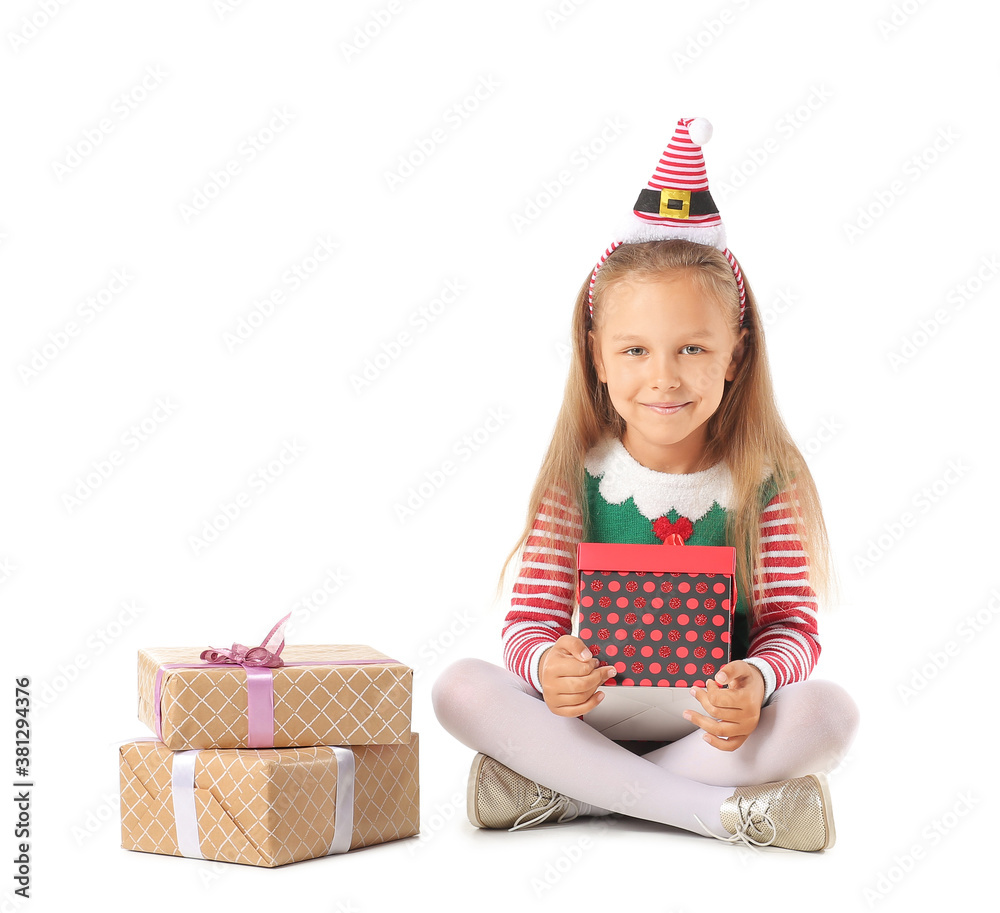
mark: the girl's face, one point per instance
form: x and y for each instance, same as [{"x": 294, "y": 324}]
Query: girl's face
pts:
[{"x": 665, "y": 351}]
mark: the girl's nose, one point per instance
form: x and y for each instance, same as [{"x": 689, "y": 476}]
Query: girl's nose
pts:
[{"x": 663, "y": 373}]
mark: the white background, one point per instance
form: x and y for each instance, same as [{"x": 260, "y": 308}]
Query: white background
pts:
[{"x": 854, "y": 159}]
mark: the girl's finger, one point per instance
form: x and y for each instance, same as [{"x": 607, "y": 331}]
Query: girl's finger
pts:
[
  {"x": 707, "y": 723},
  {"x": 703, "y": 698},
  {"x": 579, "y": 709},
  {"x": 730, "y": 744},
  {"x": 600, "y": 675},
  {"x": 719, "y": 704}
]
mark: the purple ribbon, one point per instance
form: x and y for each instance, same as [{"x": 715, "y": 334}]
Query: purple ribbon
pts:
[
  {"x": 258, "y": 663},
  {"x": 267, "y": 654}
]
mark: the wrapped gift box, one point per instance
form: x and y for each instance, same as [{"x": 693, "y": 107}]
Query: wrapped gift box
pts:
[
  {"x": 267, "y": 807},
  {"x": 321, "y": 695},
  {"x": 662, "y": 616}
]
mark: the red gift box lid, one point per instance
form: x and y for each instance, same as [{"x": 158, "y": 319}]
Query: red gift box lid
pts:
[{"x": 667, "y": 559}]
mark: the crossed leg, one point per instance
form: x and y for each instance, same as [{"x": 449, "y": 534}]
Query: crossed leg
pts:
[{"x": 805, "y": 729}]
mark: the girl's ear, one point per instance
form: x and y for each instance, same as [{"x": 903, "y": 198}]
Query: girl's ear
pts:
[
  {"x": 739, "y": 350},
  {"x": 595, "y": 354}
]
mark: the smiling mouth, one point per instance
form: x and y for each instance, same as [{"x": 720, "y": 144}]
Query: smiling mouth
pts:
[{"x": 665, "y": 408}]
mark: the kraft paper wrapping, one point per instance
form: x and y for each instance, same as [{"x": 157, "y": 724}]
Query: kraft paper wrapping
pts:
[
  {"x": 266, "y": 807},
  {"x": 206, "y": 706}
]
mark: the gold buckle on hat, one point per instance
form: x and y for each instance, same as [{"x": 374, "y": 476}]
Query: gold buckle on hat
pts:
[{"x": 675, "y": 211}]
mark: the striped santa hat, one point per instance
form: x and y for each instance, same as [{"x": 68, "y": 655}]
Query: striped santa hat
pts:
[{"x": 676, "y": 203}]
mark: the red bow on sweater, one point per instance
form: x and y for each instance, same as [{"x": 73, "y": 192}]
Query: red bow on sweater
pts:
[{"x": 671, "y": 532}]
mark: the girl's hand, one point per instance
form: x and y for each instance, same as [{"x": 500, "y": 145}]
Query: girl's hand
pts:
[
  {"x": 570, "y": 677},
  {"x": 733, "y": 712}
]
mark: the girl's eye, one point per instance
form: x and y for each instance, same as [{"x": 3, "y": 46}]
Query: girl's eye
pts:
[
  {"x": 692, "y": 350},
  {"x": 635, "y": 350}
]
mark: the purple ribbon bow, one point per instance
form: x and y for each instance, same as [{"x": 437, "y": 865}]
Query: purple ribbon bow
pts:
[{"x": 265, "y": 655}]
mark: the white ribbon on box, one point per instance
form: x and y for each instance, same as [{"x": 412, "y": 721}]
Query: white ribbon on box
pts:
[
  {"x": 344, "y": 821},
  {"x": 186, "y": 814}
]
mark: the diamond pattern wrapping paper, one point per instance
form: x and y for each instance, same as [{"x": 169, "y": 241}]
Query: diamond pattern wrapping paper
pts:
[
  {"x": 325, "y": 704},
  {"x": 268, "y": 807}
]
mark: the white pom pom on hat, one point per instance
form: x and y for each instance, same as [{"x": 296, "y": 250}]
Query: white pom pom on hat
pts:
[
  {"x": 700, "y": 131},
  {"x": 676, "y": 203}
]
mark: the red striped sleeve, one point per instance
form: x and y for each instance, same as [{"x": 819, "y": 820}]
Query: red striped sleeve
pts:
[
  {"x": 785, "y": 635},
  {"x": 545, "y": 589}
]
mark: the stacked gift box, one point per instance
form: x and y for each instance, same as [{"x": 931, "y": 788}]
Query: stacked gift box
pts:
[{"x": 266, "y": 757}]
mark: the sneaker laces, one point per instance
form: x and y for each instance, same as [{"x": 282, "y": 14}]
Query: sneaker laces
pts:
[
  {"x": 544, "y": 808},
  {"x": 749, "y": 817}
]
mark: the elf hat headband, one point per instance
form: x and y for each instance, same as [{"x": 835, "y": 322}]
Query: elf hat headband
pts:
[{"x": 676, "y": 203}]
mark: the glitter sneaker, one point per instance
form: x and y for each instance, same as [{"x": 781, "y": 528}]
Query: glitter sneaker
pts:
[
  {"x": 500, "y": 798},
  {"x": 794, "y": 814}
]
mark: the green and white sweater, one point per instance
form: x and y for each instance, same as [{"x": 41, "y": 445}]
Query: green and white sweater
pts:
[{"x": 629, "y": 503}]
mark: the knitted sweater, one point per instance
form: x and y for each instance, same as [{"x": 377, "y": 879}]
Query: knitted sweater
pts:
[{"x": 629, "y": 503}]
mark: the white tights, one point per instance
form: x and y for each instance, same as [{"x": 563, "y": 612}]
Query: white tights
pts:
[{"x": 806, "y": 728}]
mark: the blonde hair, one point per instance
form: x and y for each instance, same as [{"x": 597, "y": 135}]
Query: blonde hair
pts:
[{"x": 746, "y": 431}]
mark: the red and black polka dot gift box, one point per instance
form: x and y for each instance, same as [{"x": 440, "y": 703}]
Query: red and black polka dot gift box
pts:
[{"x": 661, "y": 614}]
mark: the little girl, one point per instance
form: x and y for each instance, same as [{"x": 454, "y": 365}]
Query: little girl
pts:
[{"x": 668, "y": 428}]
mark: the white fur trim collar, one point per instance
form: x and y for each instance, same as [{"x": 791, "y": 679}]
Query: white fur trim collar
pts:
[{"x": 656, "y": 493}]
